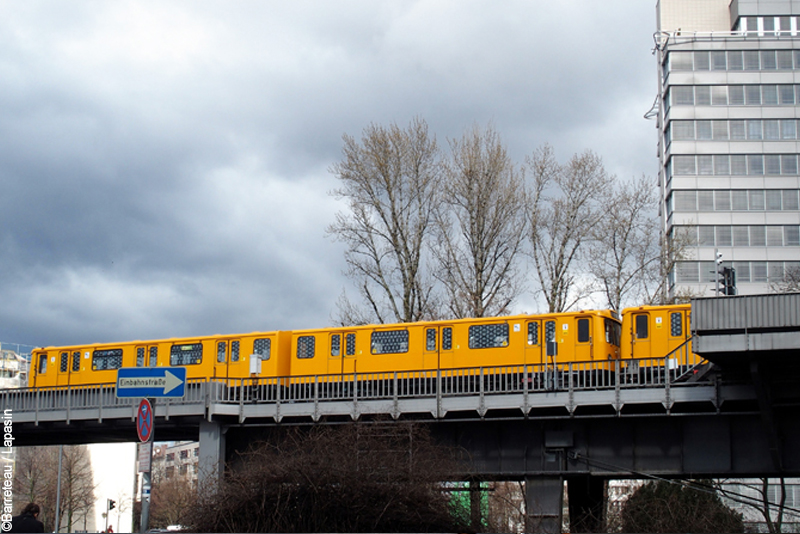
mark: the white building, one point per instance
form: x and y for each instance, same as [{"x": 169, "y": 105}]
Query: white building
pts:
[{"x": 729, "y": 138}]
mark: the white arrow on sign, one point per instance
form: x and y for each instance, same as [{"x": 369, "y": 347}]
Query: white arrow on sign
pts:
[{"x": 169, "y": 382}]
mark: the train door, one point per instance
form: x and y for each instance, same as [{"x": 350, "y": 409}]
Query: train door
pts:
[
  {"x": 582, "y": 343},
  {"x": 342, "y": 354},
  {"x": 64, "y": 368},
  {"x": 147, "y": 356},
  {"x": 438, "y": 352},
  {"x": 349, "y": 353},
  {"x": 38, "y": 368},
  {"x": 229, "y": 361},
  {"x": 533, "y": 343},
  {"x": 640, "y": 336},
  {"x": 335, "y": 354}
]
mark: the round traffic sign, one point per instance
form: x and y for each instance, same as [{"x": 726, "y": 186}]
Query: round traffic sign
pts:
[{"x": 144, "y": 421}]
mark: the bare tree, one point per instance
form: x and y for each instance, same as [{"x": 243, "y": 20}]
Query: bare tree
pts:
[
  {"x": 566, "y": 204},
  {"x": 757, "y": 496},
  {"x": 36, "y": 480},
  {"x": 170, "y": 500},
  {"x": 790, "y": 282},
  {"x": 390, "y": 181},
  {"x": 507, "y": 507},
  {"x": 624, "y": 253},
  {"x": 482, "y": 226},
  {"x": 363, "y": 477}
]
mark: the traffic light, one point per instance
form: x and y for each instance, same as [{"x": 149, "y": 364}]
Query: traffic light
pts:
[
  {"x": 728, "y": 281},
  {"x": 111, "y": 504}
]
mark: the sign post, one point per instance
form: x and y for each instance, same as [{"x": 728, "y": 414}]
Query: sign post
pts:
[
  {"x": 144, "y": 382},
  {"x": 145, "y": 419}
]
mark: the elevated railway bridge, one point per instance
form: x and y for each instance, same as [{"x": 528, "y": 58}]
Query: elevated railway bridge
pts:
[{"x": 734, "y": 415}]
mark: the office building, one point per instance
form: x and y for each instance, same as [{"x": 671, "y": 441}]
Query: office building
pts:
[{"x": 729, "y": 133}]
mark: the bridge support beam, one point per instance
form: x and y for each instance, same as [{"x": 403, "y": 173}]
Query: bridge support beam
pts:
[
  {"x": 544, "y": 497},
  {"x": 211, "y": 460}
]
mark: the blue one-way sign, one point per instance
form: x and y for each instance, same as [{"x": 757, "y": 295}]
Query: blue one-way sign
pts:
[{"x": 151, "y": 381}]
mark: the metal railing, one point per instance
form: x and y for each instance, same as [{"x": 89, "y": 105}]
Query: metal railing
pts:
[{"x": 674, "y": 370}]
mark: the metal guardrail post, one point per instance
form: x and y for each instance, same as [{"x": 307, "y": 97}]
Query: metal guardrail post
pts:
[
  {"x": 241, "y": 400},
  {"x": 438, "y": 394},
  {"x": 525, "y": 387},
  {"x": 482, "y": 399},
  {"x": 316, "y": 398},
  {"x": 571, "y": 386},
  {"x": 667, "y": 401},
  {"x": 617, "y": 380},
  {"x": 396, "y": 401}
]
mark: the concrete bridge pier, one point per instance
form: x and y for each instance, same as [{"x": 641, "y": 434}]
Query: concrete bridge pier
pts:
[{"x": 211, "y": 455}]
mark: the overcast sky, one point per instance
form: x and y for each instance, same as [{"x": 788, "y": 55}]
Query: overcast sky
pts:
[{"x": 164, "y": 165}]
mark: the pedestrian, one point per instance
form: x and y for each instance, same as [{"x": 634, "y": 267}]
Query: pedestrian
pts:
[{"x": 28, "y": 520}]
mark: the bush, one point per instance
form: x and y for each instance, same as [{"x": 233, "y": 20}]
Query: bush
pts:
[
  {"x": 352, "y": 478},
  {"x": 665, "y": 507}
]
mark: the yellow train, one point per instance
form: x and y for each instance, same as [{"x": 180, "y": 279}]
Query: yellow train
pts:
[{"x": 551, "y": 339}]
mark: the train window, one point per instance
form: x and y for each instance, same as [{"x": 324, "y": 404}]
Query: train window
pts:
[
  {"x": 305, "y": 347},
  {"x": 234, "y": 351},
  {"x": 189, "y": 354},
  {"x": 106, "y": 359},
  {"x": 583, "y": 330},
  {"x": 675, "y": 324},
  {"x": 76, "y": 361},
  {"x": 389, "y": 342},
  {"x": 641, "y": 326},
  {"x": 533, "y": 333},
  {"x": 613, "y": 331},
  {"x": 486, "y": 336},
  {"x": 140, "y": 357},
  {"x": 447, "y": 338},
  {"x": 222, "y": 349},
  {"x": 63, "y": 362},
  {"x": 336, "y": 342},
  {"x": 551, "y": 347},
  {"x": 262, "y": 347},
  {"x": 42, "y": 364},
  {"x": 153, "y": 356},
  {"x": 350, "y": 341},
  {"x": 430, "y": 339}
]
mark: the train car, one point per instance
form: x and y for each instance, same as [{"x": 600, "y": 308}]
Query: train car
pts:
[
  {"x": 655, "y": 331},
  {"x": 221, "y": 357},
  {"x": 483, "y": 342}
]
